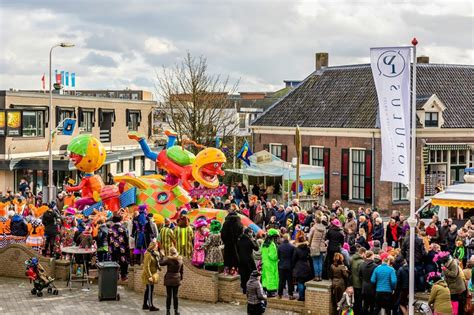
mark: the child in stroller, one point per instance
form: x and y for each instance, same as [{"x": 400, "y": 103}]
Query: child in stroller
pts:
[{"x": 36, "y": 273}]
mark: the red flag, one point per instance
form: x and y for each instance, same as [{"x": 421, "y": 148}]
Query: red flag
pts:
[
  {"x": 58, "y": 78},
  {"x": 43, "y": 81}
]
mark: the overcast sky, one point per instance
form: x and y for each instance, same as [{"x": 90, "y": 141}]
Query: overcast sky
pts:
[{"x": 122, "y": 43}]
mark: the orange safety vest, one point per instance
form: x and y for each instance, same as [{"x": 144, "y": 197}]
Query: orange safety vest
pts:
[{"x": 5, "y": 227}]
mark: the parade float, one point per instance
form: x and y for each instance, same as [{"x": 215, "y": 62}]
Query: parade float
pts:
[{"x": 188, "y": 177}]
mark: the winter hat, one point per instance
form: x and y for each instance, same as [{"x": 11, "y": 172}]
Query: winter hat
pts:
[
  {"x": 346, "y": 246},
  {"x": 336, "y": 222},
  {"x": 273, "y": 232},
  {"x": 70, "y": 211},
  {"x": 215, "y": 227},
  {"x": 200, "y": 223}
]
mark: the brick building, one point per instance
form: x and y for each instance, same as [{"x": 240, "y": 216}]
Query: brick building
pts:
[
  {"x": 336, "y": 109},
  {"x": 24, "y": 152}
]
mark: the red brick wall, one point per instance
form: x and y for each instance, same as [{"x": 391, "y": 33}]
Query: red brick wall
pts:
[{"x": 383, "y": 190}]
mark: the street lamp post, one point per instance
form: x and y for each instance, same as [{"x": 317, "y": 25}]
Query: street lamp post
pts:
[{"x": 50, "y": 138}]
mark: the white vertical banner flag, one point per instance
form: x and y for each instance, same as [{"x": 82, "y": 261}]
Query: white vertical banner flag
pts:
[{"x": 391, "y": 72}]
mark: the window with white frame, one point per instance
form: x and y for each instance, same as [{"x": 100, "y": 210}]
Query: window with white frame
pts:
[
  {"x": 357, "y": 174},
  {"x": 317, "y": 156},
  {"x": 431, "y": 119},
  {"x": 275, "y": 149},
  {"x": 399, "y": 192}
]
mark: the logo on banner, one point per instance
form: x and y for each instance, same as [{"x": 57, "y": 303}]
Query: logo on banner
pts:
[{"x": 391, "y": 64}]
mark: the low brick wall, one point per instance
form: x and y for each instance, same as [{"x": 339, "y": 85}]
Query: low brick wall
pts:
[
  {"x": 13, "y": 257},
  {"x": 197, "y": 284},
  {"x": 227, "y": 287},
  {"x": 318, "y": 298}
]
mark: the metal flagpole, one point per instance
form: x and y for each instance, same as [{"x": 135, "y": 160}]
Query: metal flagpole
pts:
[
  {"x": 412, "y": 219},
  {"x": 298, "y": 157}
]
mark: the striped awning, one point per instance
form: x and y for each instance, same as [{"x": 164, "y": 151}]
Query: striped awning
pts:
[{"x": 445, "y": 147}]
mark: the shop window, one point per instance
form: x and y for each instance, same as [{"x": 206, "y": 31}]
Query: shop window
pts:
[
  {"x": 438, "y": 156},
  {"x": 33, "y": 123}
]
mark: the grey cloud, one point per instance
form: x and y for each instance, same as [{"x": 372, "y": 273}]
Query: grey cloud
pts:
[
  {"x": 266, "y": 41},
  {"x": 95, "y": 59}
]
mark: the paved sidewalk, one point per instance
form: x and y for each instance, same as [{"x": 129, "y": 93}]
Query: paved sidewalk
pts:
[{"x": 16, "y": 299}]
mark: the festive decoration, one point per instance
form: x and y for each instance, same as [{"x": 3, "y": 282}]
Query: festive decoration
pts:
[
  {"x": 87, "y": 154},
  {"x": 183, "y": 166}
]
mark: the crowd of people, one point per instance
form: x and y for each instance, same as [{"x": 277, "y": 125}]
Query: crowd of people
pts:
[{"x": 361, "y": 256}]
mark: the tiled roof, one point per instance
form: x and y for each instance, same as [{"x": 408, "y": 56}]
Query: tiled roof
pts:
[{"x": 345, "y": 97}]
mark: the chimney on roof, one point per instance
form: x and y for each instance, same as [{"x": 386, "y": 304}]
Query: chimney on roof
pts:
[
  {"x": 423, "y": 59},
  {"x": 322, "y": 60}
]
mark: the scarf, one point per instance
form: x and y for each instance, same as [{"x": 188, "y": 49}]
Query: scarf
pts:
[{"x": 394, "y": 230}]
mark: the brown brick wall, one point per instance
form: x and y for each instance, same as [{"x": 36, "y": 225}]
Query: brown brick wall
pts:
[
  {"x": 383, "y": 190},
  {"x": 318, "y": 298},
  {"x": 197, "y": 284},
  {"x": 13, "y": 257}
]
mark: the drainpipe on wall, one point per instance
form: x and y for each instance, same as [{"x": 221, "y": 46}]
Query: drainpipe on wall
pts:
[{"x": 373, "y": 170}]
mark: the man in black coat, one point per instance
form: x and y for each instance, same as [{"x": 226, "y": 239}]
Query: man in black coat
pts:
[
  {"x": 335, "y": 239},
  {"x": 285, "y": 266},
  {"x": 50, "y": 219},
  {"x": 443, "y": 235},
  {"x": 245, "y": 247},
  {"x": 420, "y": 253},
  {"x": 231, "y": 230},
  {"x": 368, "y": 289}
]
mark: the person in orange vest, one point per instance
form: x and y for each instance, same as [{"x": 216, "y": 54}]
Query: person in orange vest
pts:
[
  {"x": 4, "y": 225},
  {"x": 35, "y": 237}
]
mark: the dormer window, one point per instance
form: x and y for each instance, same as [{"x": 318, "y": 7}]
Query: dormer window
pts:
[
  {"x": 431, "y": 119},
  {"x": 430, "y": 111}
]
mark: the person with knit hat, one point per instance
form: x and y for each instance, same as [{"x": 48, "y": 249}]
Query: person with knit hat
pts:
[
  {"x": 256, "y": 297},
  {"x": 167, "y": 238},
  {"x": 213, "y": 247},
  {"x": 335, "y": 238},
  {"x": 440, "y": 298},
  {"x": 270, "y": 275},
  {"x": 199, "y": 240}
]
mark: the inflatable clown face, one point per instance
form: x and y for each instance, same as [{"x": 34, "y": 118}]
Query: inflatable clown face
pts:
[
  {"x": 86, "y": 153},
  {"x": 207, "y": 166}
]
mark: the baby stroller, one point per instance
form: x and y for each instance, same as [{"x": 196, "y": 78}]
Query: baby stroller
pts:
[
  {"x": 35, "y": 272},
  {"x": 422, "y": 308}
]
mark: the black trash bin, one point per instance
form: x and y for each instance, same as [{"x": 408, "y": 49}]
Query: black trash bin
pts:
[{"x": 108, "y": 278}]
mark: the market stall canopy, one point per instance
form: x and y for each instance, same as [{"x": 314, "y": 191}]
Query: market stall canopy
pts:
[
  {"x": 264, "y": 163},
  {"x": 459, "y": 196}
]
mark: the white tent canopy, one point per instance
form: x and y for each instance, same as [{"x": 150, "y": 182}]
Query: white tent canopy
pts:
[{"x": 264, "y": 163}]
